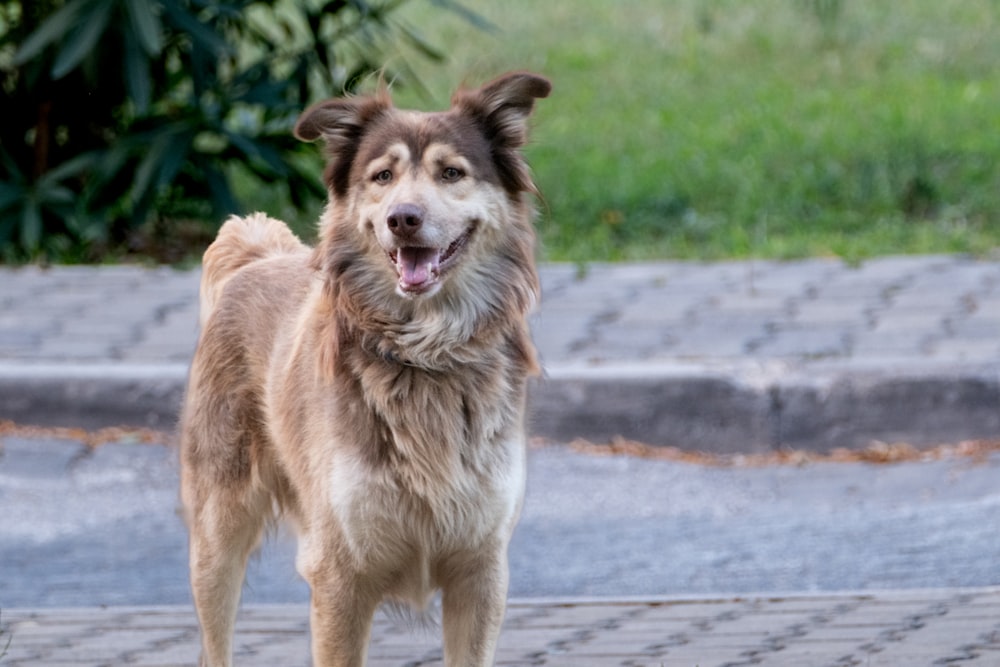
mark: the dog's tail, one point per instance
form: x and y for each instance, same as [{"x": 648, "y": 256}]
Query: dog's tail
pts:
[{"x": 241, "y": 241}]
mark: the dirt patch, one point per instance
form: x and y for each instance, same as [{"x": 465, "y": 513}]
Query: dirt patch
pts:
[
  {"x": 9, "y": 429},
  {"x": 876, "y": 452}
]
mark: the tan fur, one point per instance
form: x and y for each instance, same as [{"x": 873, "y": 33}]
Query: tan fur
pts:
[{"x": 379, "y": 408}]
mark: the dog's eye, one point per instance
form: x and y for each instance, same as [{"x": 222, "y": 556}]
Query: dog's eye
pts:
[
  {"x": 383, "y": 177},
  {"x": 451, "y": 174}
]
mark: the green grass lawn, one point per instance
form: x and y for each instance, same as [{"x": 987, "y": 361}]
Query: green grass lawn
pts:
[{"x": 722, "y": 128}]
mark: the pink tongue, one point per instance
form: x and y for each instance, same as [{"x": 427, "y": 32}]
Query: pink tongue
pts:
[{"x": 417, "y": 265}]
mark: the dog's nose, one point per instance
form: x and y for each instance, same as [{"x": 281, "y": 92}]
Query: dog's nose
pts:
[{"x": 405, "y": 219}]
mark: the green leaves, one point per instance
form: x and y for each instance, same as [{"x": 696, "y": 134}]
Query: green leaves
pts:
[
  {"x": 25, "y": 203},
  {"x": 54, "y": 28},
  {"x": 120, "y": 113},
  {"x": 75, "y": 28},
  {"x": 82, "y": 38},
  {"x": 146, "y": 26}
]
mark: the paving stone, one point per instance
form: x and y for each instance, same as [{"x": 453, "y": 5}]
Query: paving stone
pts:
[
  {"x": 803, "y": 341},
  {"x": 910, "y": 341},
  {"x": 975, "y": 327},
  {"x": 659, "y": 308},
  {"x": 829, "y": 313},
  {"x": 633, "y": 342},
  {"x": 965, "y": 351},
  {"x": 885, "y": 628}
]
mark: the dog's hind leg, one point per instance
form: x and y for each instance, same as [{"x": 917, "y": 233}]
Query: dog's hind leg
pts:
[{"x": 224, "y": 532}]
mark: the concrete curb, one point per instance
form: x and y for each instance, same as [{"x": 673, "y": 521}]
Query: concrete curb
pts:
[
  {"x": 756, "y": 408},
  {"x": 739, "y": 408},
  {"x": 92, "y": 396}
]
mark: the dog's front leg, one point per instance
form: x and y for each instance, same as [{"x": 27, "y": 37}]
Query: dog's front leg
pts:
[
  {"x": 340, "y": 621},
  {"x": 474, "y": 600},
  {"x": 342, "y": 606}
]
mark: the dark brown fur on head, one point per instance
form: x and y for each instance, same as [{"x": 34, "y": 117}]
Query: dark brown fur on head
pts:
[
  {"x": 341, "y": 123},
  {"x": 501, "y": 108},
  {"x": 499, "y": 111}
]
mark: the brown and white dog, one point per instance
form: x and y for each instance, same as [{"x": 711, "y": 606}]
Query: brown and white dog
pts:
[{"x": 372, "y": 390}]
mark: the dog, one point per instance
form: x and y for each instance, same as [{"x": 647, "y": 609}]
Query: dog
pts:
[{"x": 372, "y": 390}]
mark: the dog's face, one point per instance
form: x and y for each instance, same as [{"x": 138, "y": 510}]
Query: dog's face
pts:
[
  {"x": 424, "y": 189},
  {"x": 429, "y": 190}
]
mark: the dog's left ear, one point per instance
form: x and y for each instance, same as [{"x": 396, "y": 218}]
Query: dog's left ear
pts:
[
  {"x": 503, "y": 105},
  {"x": 501, "y": 108}
]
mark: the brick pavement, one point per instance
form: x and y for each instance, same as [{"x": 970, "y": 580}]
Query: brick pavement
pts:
[
  {"x": 933, "y": 309},
  {"x": 109, "y": 314},
  {"x": 872, "y": 629},
  {"x": 937, "y": 308},
  {"x": 729, "y": 356}
]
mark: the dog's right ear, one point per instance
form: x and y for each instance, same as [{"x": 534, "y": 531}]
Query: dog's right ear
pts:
[{"x": 341, "y": 123}]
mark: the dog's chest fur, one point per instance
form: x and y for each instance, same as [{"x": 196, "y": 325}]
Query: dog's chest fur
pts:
[
  {"x": 442, "y": 471},
  {"x": 415, "y": 456}
]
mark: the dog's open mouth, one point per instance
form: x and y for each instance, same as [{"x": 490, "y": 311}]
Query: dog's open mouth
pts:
[{"x": 419, "y": 269}]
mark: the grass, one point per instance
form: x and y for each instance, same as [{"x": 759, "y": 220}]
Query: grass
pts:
[{"x": 724, "y": 129}]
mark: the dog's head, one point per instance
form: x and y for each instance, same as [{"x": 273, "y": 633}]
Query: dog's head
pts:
[{"x": 428, "y": 193}]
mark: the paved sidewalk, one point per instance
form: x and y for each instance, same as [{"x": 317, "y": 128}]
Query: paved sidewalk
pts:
[
  {"x": 736, "y": 356},
  {"x": 911, "y": 629},
  {"x": 733, "y": 356}
]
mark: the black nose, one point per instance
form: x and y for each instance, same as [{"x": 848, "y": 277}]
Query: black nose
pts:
[{"x": 405, "y": 219}]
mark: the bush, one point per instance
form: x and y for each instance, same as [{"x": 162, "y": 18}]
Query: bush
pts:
[{"x": 121, "y": 115}]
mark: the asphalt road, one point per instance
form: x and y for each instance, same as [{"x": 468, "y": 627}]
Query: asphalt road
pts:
[{"x": 81, "y": 527}]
